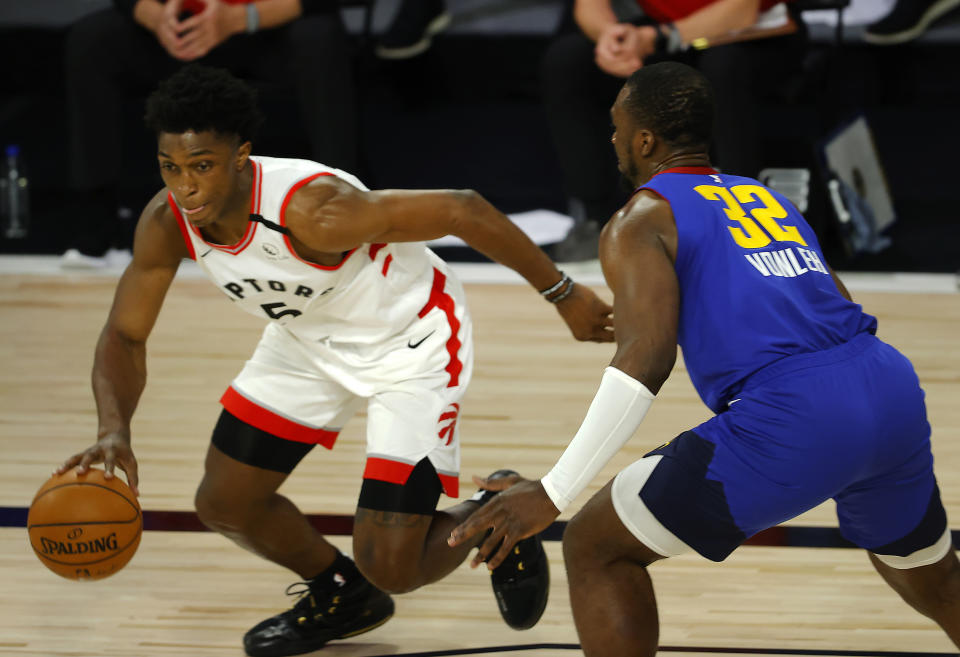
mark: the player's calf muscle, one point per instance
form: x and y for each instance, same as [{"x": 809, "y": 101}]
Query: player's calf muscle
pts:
[
  {"x": 390, "y": 519},
  {"x": 388, "y": 548}
]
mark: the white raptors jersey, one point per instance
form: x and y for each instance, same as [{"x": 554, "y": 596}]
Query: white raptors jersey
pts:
[{"x": 373, "y": 295}]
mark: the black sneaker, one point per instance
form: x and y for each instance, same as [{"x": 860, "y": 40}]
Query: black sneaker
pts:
[
  {"x": 521, "y": 583},
  {"x": 582, "y": 243},
  {"x": 413, "y": 28},
  {"x": 355, "y": 608},
  {"x": 906, "y": 21}
]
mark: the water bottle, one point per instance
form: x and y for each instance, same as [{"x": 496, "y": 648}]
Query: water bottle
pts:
[{"x": 14, "y": 195}]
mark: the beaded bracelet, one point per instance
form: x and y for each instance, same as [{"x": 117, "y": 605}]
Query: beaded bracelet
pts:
[
  {"x": 556, "y": 286},
  {"x": 563, "y": 295}
]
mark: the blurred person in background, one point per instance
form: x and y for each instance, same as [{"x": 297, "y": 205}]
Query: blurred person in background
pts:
[
  {"x": 123, "y": 51},
  {"x": 584, "y": 69}
]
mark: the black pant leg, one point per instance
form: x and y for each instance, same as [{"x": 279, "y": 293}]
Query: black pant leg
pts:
[
  {"x": 577, "y": 98},
  {"x": 107, "y": 58},
  {"x": 321, "y": 65},
  {"x": 736, "y": 141},
  {"x": 314, "y": 55},
  {"x": 744, "y": 76},
  {"x": 105, "y": 55}
]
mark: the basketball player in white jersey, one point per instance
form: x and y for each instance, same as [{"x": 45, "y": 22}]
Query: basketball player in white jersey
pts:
[{"x": 358, "y": 310}]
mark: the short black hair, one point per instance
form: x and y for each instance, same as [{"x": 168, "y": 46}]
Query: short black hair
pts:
[
  {"x": 201, "y": 98},
  {"x": 674, "y": 101}
]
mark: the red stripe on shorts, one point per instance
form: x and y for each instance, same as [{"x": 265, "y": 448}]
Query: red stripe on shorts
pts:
[
  {"x": 279, "y": 426},
  {"x": 451, "y": 485},
  {"x": 392, "y": 472},
  {"x": 443, "y": 301},
  {"x": 397, "y": 472}
]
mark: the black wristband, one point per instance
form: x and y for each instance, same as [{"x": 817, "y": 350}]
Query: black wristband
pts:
[
  {"x": 674, "y": 42},
  {"x": 660, "y": 43}
]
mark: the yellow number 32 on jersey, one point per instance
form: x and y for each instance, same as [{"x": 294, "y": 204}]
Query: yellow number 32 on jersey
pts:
[{"x": 759, "y": 227}]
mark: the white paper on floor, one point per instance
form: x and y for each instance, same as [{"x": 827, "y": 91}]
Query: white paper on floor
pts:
[{"x": 542, "y": 226}]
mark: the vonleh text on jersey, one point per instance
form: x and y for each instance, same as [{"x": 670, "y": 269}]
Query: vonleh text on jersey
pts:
[{"x": 785, "y": 263}]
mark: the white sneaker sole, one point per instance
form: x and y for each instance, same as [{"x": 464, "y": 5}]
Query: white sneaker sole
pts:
[
  {"x": 935, "y": 11},
  {"x": 434, "y": 27}
]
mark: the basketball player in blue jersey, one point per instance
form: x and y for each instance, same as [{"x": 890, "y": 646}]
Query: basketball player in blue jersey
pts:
[
  {"x": 358, "y": 310},
  {"x": 809, "y": 404}
]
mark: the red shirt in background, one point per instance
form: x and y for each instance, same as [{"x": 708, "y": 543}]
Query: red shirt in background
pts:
[{"x": 667, "y": 11}]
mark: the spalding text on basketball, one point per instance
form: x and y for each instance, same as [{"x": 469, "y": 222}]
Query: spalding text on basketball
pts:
[{"x": 103, "y": 544}]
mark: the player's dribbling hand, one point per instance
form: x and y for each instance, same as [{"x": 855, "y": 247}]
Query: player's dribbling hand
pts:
[
  {"x": 587, "y": 315},
  {"x": 522, "y": 509},
  {"x": 112, "y": 450}
]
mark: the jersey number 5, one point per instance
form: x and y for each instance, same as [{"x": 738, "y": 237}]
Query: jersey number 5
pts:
[
  {"x": 272, "y": 308},
  {"x": 749, "y": 234}
]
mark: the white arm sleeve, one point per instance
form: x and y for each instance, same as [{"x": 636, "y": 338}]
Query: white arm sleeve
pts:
[{"x": 617, "y": 410}]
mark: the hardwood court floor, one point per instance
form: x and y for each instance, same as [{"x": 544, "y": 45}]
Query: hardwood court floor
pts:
[{"x": 195, "y": 593}]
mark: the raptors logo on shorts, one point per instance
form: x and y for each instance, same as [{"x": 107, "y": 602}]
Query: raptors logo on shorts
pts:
[{"x": 448, "y": 423}]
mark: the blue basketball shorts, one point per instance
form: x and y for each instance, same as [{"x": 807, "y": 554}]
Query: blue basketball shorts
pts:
[{"x": 848, "y": 423}]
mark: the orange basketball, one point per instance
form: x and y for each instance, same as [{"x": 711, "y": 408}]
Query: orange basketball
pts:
[{"x": 84, "y": 527}]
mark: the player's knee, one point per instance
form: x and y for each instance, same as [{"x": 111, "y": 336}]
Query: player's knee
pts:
[
  {"x": 392, "y": 571},
  {"x": 218, "y": 510},
  {"x": 943, "y": 598},
  {"x": 391, "y": 563},
  {"x": 933, "y": 590},
  {"x": 580, "y": 544}
]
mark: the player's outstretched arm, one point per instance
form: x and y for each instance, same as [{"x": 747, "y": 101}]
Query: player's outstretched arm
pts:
[
  {"x": 637, "y": 250},
  {"x": 332, "y": 216},
  {"x": 119, "y": 368}
]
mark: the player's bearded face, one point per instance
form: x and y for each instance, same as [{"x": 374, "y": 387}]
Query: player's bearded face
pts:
[
  {"x": 628, "y": 169},
  {"x": 629, "y": 173},
  {"x": 200, "y": 169},
  {"x": 623, "y": 146}
]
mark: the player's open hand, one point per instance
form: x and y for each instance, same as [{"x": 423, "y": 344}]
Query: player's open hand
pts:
[
  {"x": 521, "y": 509},
  {"x": 587, "y": 315},
  {"x": 112, "y": 450}
]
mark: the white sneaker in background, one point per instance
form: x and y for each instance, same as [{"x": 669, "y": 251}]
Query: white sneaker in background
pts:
[
  {"x": 73, "y": 259},
  {"x": 118, "y": 258}
]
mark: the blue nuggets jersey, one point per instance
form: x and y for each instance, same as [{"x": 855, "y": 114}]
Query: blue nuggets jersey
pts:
[{"x": 754, "y": 286}]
